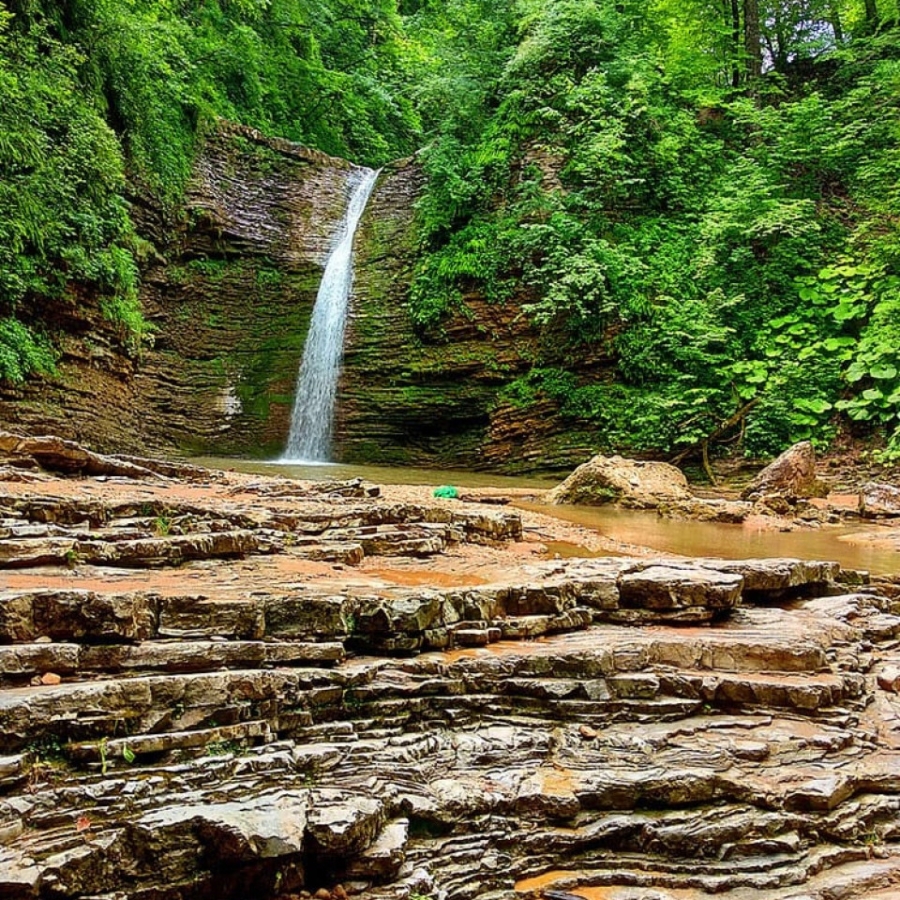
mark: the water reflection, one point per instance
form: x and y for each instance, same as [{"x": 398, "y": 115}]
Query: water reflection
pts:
[{"x": 316, "y": 471}]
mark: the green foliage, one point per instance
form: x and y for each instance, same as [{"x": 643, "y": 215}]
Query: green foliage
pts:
[
  {"x": 49, "y": 139},
  {"x": 869, "y": 303},
  {"x": 63, "y": 219},
  {"x": 223, "y": 748},
  {"x": 92, "y": 89},
  {"x": 22, "y": 351},
  {"x": 317, "y": 72},
  {"x": 615, "y": 169},
  {"x": 723, "y": 248},
  {"x": 124, "y": 311},
  {"x": 103, "y": 750},
  {"x": 47, "y": 749},
  {"x": 72, "y": 557}
]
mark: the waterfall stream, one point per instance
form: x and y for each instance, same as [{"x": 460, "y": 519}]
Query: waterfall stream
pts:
[{"x": 309, "y": 439}]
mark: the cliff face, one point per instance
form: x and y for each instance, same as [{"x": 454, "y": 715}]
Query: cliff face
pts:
[
  {"x": 230, "y": 287},
  {"x": 93, "y": 396},
  {"x": 438, "y": 399},
  {"x": 234, "y": 306}
]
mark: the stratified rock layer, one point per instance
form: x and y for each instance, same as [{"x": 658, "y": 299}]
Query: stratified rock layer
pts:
[
  {"x": 435, "y": 396},
  {"x": 229, "y": 289},
  {"x": 228, "y": 285},
  {"x": 265, "y": 724}
]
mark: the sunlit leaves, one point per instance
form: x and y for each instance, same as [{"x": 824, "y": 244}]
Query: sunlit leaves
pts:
[{"x": 707, "y": 239}]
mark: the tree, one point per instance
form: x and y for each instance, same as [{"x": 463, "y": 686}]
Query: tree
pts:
[
  {"x": 836, "y": 25},
  {"x": 752, "y": 40}
]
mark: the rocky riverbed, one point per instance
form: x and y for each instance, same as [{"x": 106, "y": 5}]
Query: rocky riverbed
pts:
[{"x": 220, "y": 685}]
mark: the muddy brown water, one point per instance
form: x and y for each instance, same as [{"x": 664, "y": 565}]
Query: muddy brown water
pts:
[
  {"x": 376, "y": 474},
  {"x": 855, "y": 546}
]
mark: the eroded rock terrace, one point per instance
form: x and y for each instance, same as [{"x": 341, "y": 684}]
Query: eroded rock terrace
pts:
[{"x": 216, "y": 689}]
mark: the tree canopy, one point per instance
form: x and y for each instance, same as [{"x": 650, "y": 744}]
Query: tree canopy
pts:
[{"x": 706, "y": 189}]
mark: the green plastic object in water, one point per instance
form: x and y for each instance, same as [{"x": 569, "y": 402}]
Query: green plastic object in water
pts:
[{"x": 446, "y": 492}]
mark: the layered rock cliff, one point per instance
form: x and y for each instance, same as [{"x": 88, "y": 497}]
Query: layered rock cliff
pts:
[
  {"x": 234, "y": 305},
  {"x": 437, "y": 399},
  {"x": 229, "y": 284}
]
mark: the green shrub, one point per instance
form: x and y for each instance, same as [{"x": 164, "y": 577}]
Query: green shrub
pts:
[{"x": 23, "y": 352}]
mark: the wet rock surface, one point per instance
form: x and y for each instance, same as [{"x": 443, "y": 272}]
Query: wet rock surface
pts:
[
  {"x": 878, "y": 499},
  {"x": 791, "y": 476},
  {"x": 434, "y": 714}
]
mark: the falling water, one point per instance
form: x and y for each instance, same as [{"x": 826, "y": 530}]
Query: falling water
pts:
[{"x": 309, "y": 439}]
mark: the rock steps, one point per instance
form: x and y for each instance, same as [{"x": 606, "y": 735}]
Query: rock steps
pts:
[
  {"x": 229, "y": 742},
  {"x": 859, "y": 875},
  {"x": 642, "y": 677},
  {"x": 26, "y": 661}
]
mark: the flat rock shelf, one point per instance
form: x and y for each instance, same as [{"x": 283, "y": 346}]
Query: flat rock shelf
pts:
[{"x": 222, "y": 686}]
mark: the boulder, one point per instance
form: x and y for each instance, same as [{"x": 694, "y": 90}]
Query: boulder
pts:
[
  {"x": 632, "y": 483},
  {"x": 792, "y": 475},
  {"x": 879, "y": 499}
]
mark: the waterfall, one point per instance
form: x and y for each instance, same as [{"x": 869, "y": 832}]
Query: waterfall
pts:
[{"x": 309, "y": 439}]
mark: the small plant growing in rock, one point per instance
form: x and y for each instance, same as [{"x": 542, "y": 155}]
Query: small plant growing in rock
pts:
[
  {"x": 352, "y": 701},
  {"x": 49, "y": 763},
  {"x": 162, "y": 526},
  {"x": 222, "y": 748},
  {"x": 47, "y": 749}
]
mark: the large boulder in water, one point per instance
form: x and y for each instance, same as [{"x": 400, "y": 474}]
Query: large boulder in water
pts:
[
  {"x": 792, "y": 476},
  {"x": 632, "y": 483}
]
